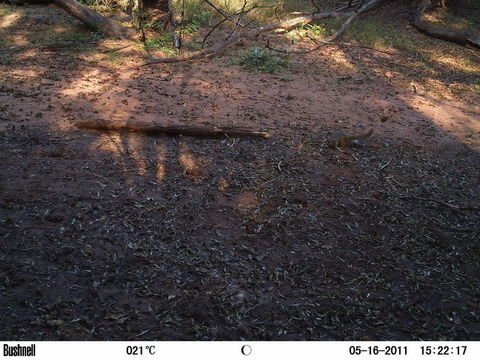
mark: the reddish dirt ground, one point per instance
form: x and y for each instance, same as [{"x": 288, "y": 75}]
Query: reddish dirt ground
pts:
[{"x": 122, "y": 237}]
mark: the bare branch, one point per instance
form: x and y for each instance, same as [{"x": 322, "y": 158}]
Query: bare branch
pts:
[
  {"x": 287, "y": 24},
  {"x": 212, "y": 30},
  {"x": 204, "y": 53},
  {"x": 370, "y": 5}
]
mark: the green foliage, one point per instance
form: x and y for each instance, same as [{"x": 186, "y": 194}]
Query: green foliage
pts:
[
  {"x": 150, "y": 24},
  {"x": 153, "y": 25},
  {"x": 378, "y": 34},
  {"x": 262, "y": 61},
  {"x": 476, "y": 86},
  {"x": 6, "y": 9},
  {"x": 115, "y": 57},
  {"x": 267, "y": 10},
  {"x": 370, "y": 32},
  {"x": 190, "y": 29},
  {"x": 5, "y": 59},
  {"x": 73, "y": 40},
  {"x": 196, "y": 15},
  {"x": 193, "y": 45},
  {"x": 288, "y": 6},
  {"x": 468, "y": 21},
  {"x": 196, "y": 12},
  {"x": 79, "y": 37},
  {"x": 317, "y": 30},
  {"x": 301, "y": 31},
  {"x": 159, "y": 42},
  {"x": 194, "y": 18},
  {"x": 471, "y": 60},
  {"x": 162, "y": 43},
  {"x": 285, "y": 78},
  {"x": 98, "y": 3}
]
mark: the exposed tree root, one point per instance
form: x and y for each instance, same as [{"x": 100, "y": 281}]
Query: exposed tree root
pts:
[{"x": 461, "y": 38}]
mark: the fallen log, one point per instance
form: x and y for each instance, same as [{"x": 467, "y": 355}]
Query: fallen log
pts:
[
  {"x": 94, "y": 20},
  {"x": 170, "y": 130}
]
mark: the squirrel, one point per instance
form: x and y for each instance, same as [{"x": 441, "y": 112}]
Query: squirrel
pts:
[{"x": 342, "y": 140}]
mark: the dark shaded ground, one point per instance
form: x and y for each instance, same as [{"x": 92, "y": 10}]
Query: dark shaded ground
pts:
[
  {"x": 110, "y": 237},
  {"x": 326, "y": 248}
]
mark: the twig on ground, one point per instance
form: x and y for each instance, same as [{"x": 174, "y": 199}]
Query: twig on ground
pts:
[
  {"x": 460, "y": 229},
  {"x": 295, "y": 51},
  {"x": 346, "y": 152},
  {"x": 450, "y": 206},
  {"x": 115, "y": 49},
  {"x": 385, "y": 165}
]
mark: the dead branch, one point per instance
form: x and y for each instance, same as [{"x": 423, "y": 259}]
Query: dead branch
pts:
[
  {"x": 212, "y": 30},
  {"x": 298, "y": 51},
  {"x": 460, "y": 229},
  {"x": 286, "y": 24},
  {"x": 444, "y": 203},
  {"x": 115, "y": 49},
  {"x": 173, "y": 130},
  {"x": 216, "y": 49},
  {"x": 237, "y": 17},
  {"x": 222, "y": 12},
  {"x": 204, "y": 53},
  {"x": 365, "y": 7}
]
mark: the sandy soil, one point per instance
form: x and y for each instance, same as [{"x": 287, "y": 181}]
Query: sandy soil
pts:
[{"x": 115, "y": 236}]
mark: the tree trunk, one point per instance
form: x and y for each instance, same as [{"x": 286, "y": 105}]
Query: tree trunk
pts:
[
  {"x": 94, "y": 20},
  {"x": 441, "y": 33}
]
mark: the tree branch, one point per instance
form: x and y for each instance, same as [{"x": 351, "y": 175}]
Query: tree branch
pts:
[{"x": 364, "y": 8}]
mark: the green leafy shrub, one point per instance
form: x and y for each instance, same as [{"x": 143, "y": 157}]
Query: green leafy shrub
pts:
[
  {"x": 162, "y": 43},
  {"x": 262, "y": 60}
]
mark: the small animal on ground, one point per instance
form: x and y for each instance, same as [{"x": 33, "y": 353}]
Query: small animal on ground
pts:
[{"x": 342, "y": 140}]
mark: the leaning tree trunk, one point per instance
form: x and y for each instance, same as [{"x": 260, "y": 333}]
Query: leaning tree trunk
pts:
[
  {"x": 461, "y": 38},
  {"x": 94, "y": 20}
]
